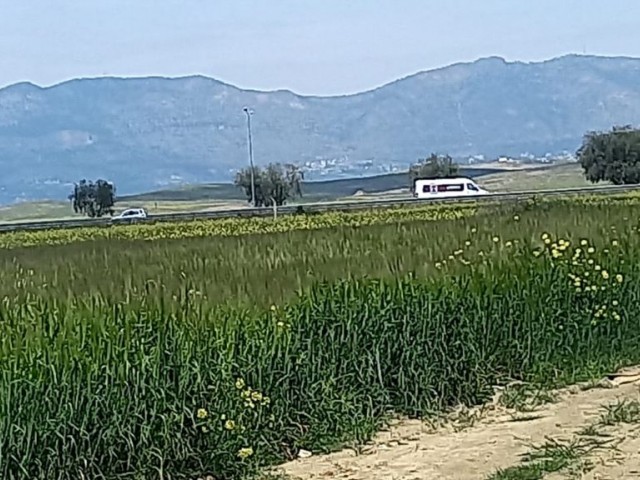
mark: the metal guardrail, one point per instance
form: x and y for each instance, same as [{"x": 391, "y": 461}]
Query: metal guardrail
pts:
[{"x": 314, "y": 208}]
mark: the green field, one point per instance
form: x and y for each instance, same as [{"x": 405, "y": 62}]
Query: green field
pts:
[
  {"x": 549, "y": 178},
  {"x": 220, "y": 355}
]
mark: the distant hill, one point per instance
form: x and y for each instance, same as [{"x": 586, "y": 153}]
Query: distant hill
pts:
[
  {"x": 151, "y": 132},
  {"x": 313, "y": 191}
]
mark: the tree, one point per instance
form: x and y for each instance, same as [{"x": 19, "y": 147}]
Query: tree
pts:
[
  {"x": 93, "y": 199},
  {"x": 612, "y": 156},
  {"x": 435, "y": 166},
  {"x": 276, "y": 184}
]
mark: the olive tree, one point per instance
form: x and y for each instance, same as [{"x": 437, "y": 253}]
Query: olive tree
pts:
[
  {"x": 274, "y": 185},
  {"x": 612, "y": 156},
  {"x": 435, "y": 166},
  {"x": 93, "y": 199}
]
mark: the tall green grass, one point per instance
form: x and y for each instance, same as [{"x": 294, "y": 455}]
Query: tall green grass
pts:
[
  {"x": 265, "y": 269},
  {"x": 133, "y": 362}
]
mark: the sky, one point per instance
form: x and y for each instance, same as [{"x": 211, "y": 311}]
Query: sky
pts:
[{"x": 319, "y": 47}]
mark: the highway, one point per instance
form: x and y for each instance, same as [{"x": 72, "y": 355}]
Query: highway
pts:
[{"x": 317, "y": 208}]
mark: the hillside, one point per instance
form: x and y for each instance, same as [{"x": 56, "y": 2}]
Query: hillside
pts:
[
  {"x": 147, "y": 133},
  {"x": 313, "y": 191}
]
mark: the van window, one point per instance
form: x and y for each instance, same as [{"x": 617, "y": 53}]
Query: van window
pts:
[
  {"x": 471, "y": 186},
  {"x": 426, "y": 188},
  {"x": 453, "y": 187}
]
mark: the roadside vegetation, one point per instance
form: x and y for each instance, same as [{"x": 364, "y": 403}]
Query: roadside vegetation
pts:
[{"x": 223, "y": 354}]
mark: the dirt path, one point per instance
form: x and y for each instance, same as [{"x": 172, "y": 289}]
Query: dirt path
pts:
[
  {"x": 621, "y": 462},
  {"x": 411, "y": 450},
  {"x": 614, "y": 465}
]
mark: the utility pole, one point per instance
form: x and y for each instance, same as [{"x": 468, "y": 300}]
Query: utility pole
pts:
[{"x": 253, "y": 180}]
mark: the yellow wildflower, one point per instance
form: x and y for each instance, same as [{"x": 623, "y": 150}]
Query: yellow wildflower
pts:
[
  {"x": 239, "y": 383},
  {"x": 229, "y": 425},
  {"x": 516, "y": 217},
  {"x": 202, "y": 413},
  {"x": 584, "y": 243},
  {"x": 256, "y": 396},
  {"x": 605, "y": 274},
  {"x": 614, "y": 243},
  {"x": 508, "y": 244},
  {"x": 496, "y": 239},
  {"x": 244, "y": 453},
  {"x": 619, "y": 278},
  {"x": 591, "y": 250}
]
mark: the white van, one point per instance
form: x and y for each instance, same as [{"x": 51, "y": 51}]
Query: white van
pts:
[{"x": 446, "y": 188}]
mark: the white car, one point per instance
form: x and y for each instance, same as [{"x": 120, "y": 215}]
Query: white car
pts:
[{"x": 130, "y": 214}]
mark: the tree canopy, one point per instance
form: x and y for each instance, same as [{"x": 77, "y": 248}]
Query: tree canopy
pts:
[
  {"x": 612, "y": 156},
  {"x": 435, "y": 166},
  {"x": 276, "y": 183},
  {"x": 93, "y": 199}
]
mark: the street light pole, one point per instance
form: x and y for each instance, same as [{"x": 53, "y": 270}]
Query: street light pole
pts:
[{"x": 253, "y": 180}]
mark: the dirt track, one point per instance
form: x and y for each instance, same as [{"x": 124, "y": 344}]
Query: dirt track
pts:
[{"x": 412, "y": 450}]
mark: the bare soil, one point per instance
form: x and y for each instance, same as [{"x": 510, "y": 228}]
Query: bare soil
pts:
[{"x": 480, "y": 442}]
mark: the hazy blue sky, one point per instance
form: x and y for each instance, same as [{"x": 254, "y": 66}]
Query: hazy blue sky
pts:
[{"x": 311, "y": 47}]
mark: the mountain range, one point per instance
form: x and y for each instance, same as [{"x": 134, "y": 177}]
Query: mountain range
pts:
[{"x": 143, "y": 133}]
